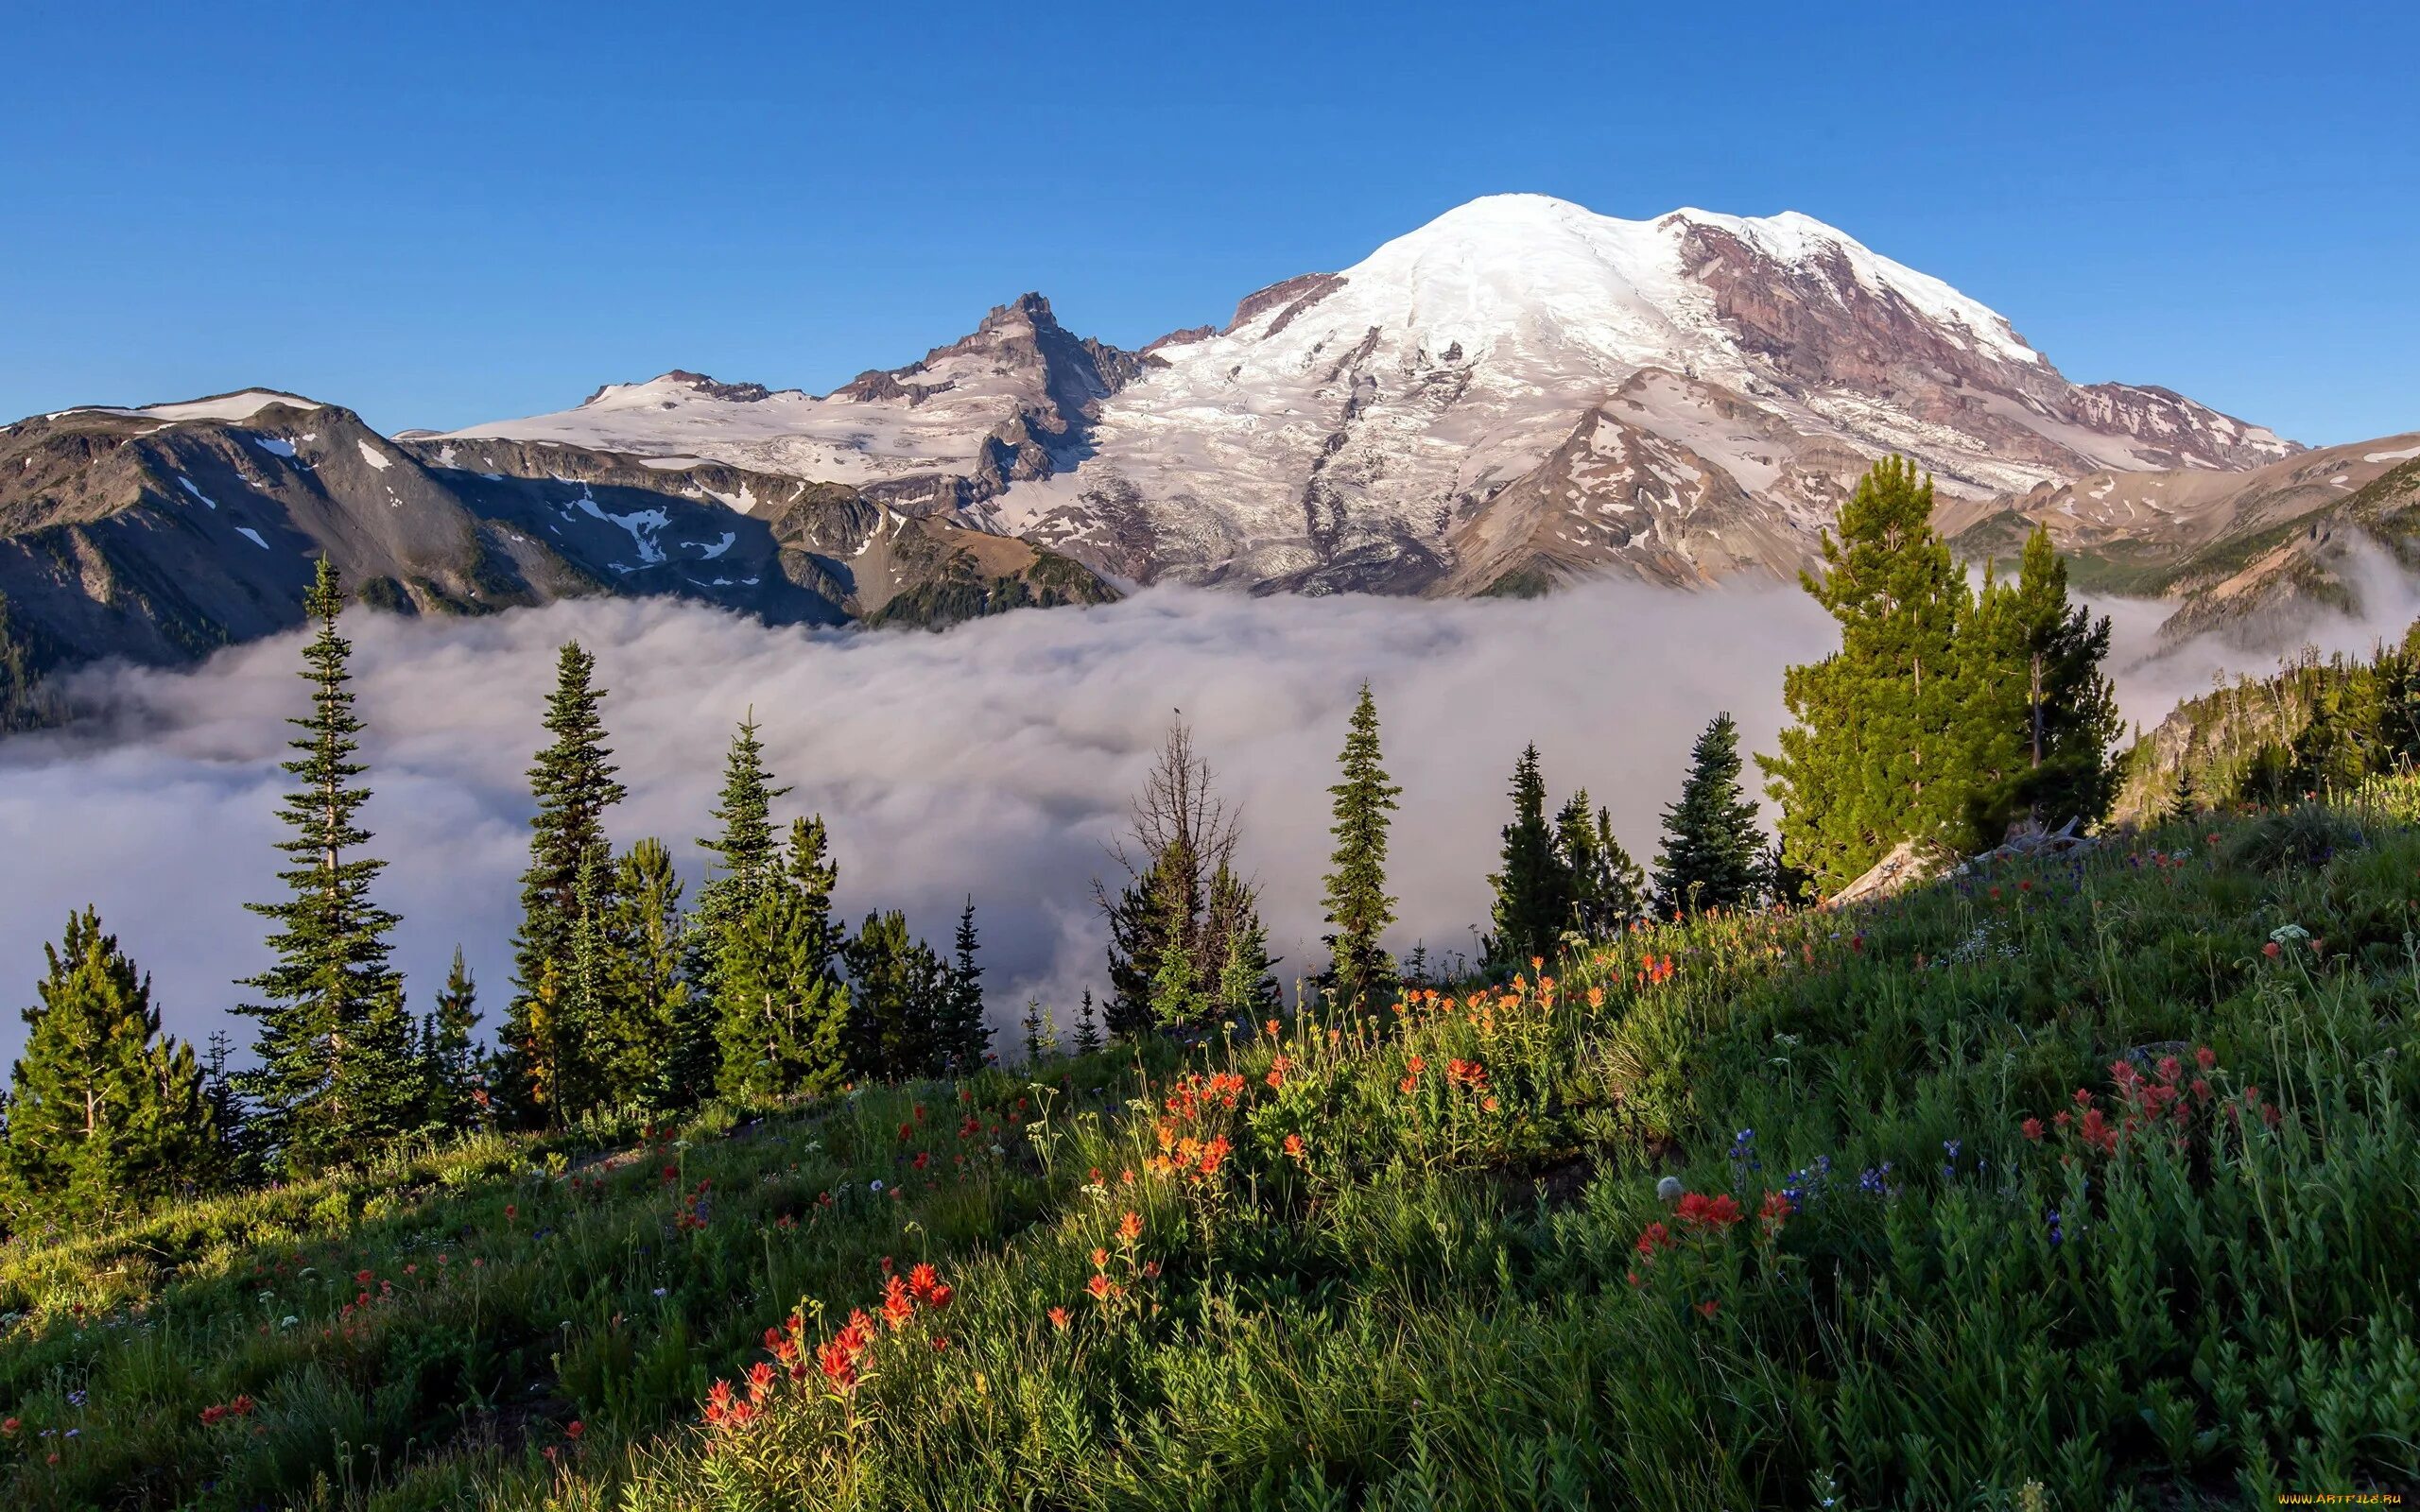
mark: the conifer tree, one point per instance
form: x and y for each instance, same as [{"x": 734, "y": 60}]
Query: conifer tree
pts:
[
  {"x": 898, "y": 989},
  {"x": 783, "y": 1016},
  {"x": 237, "y": 1163},
  {"x": 746, "y": 855},
  {"x": 455, "y": 1083},
  {"x": 1876, "y": 754},
  {"x": 331, "y": 1026},
  {"x": 1359, "y": 909},
  {"x": 1088, "y": 1027},
  {"x": 1181, "y": 843},
  {"x": 103, "y": 1114},
  {"x": 1031, "y": 1024},
  {"x": 1713, "y": 852},
  {"x": 966, "y": 1037},
  {"x": 572, "y": 782},
  {"x": 1608, "y": 890},
  {"x": 647, "y": 994},
  {"x": 2074, "y": 723},
  {"x": 1533, "y": 889},
  {"x": 1248, "y": 992}
]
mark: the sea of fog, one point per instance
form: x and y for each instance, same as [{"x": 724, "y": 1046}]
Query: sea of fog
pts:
[{"x": 992, "y": 761}]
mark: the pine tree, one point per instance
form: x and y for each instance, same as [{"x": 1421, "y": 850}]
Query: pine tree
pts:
[
  {"x": 1359, "y": 909},
  {"x": 455, "y": 1084},
  {"x": 1182, "y": 840},
  {"x": 235, "y": 1162},
  {"x": 1608, "y": 890},
  {"x": 1031, "y": 1024},
  {"x": 2074, "y": 723},
  {"x": 1248, "y": 992},
  {"x": 966, "y": 1037},
  {"x": 1177, "y": 997},
  {"x": 1877, "y": 753},
  {"x": 2184, "y": 804},
  {"x": 1713, "y": 852},
  {"x": 747, "y": 855},
  {"x": 103, "y": 1115},
  {"x": 326, "y": 1028},
  {"x": 1533, "y": 889},
  {"x": 897, "y": 990},
  {"x": 1087, "y": 1029},
  {"x": 783, "y": 1017},
  {"x": 572, "y": 781},
  {"x": 647, "y": 994}
]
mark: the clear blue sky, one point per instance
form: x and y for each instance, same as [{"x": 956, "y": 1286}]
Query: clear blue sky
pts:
[{"x": 456, "y": 214}]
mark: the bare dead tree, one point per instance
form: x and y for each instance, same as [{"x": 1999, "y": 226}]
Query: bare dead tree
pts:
[{"x": 1180, "y": 881}]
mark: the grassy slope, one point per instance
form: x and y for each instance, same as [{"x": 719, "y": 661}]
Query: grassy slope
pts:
[{"x": 1432, "y": 1303}]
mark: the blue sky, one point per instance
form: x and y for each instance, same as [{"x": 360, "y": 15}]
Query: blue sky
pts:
[{"x": 456, "y": 214}]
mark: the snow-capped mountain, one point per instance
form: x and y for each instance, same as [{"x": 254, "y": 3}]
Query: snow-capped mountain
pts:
[
  {"x": 1523, "y": 391},
  {"x": 1519, "y": 392},
  {"x": 951, "y": 430}
]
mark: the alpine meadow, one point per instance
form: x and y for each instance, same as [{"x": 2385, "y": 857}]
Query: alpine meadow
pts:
[{"x": 1447, "y": 836}]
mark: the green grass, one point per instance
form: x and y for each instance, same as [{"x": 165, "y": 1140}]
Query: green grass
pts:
[{"x": 1440, "y": 1298}]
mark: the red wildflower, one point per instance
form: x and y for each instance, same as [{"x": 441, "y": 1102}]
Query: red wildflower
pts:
[
  {"x": 2205, "y": 1058},
  {"x": 1719, "y": 1211},
  {"x": 921, "y": 1279},
  {"x": 2269, "y": 950},
  {"x": 1709, "y": 1307},
  {"x": 1130, "y": 1227},
  {"x": 1101, "y": 1287},
  {"x": 575, "y": 1428},
  {"x": 1059, "y": 1318},
  {"x": 2032, "y": 1129},
  {"x": 1294, "y": 1145},
  {"x": 897, "y": 1306}
]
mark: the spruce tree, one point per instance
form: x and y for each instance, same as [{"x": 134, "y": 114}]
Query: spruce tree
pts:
[
  {"x": 1031, "y": 1024},
  {"x": 747, "y": 855},
  {"x": 1359, "y": 909},
  {"x": 2074, "y": 723},
  {"x": 329, "y": 1025},
  {"x": 1088, "y": 1027},
  {"x": 454, "y": 1080},
  {"x": 783, "y": 1017},
  {"x": 103, "y": 1114},
  {"x": 1877, "y": 753},
  {"x": 898, "y": 990},
  {"x": 646, "y": 994},
  {"x": 1713, "y": 852},
  {"x": 1608, "y": 890},
  {"x": 1533, "y": 889},
  {"x": 572, "y": 782},
  {"x": 966, "y": 1037}
]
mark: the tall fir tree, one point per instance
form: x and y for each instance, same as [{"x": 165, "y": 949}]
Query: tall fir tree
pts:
[
  {"x": 965, "y": 1034},
  {"x": 747, "y": 858},
  {"x": 1877, "y": 753},
  {"x": 646, "y": 991},
  {"x": 455, "y": 1092},
  {"x": 333, "y": 1040},
  {"x": 104, "y": 1116},
  {"x": 570, "y": 860},
  {"x": 1713, "y": 852},
  {"x": 1088, "y": 1037},
  {"x": 782, "y": 1013},
  {"x": 898, "y": 991},
  {"x": 2073, "y": 725},
  {"x": 1359, "y": 909},
  {"x": 1534, "y": 888},
  {"x": 1608, "y": 890}
]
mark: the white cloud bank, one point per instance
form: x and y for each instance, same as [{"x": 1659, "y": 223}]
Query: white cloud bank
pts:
[{"x": 994, "y": 759}]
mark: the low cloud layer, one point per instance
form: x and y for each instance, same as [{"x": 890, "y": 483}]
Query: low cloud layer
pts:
[{"x": 994, "y": 759}]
